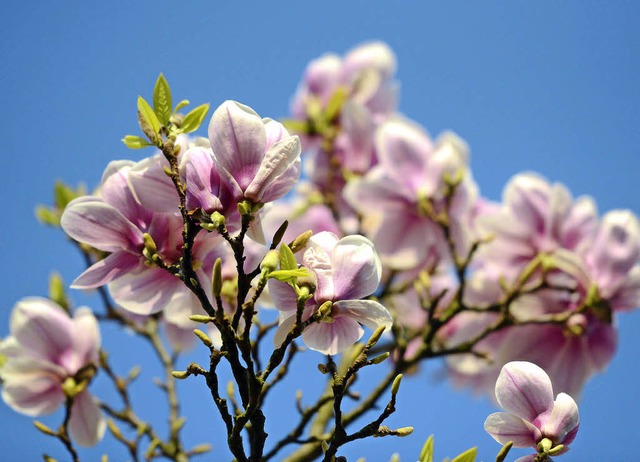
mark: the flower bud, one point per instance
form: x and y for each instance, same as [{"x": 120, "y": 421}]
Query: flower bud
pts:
[
  {"x": 378, "y": 359},
  {"x": 216, "y": 283},
  {"x": 396, "y": 384},
  {"x": 204, "y": 338},
  {"x": 180, "y": 375},
  {"x": 270, "y": 261},
  {"x": 300, "y": 242}
]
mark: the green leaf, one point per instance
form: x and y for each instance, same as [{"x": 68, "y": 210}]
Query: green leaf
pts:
[
  {"x": 193, "y": 120},
  {"x": 148, "y": 118},
  {"x": 467, "y": 456},
  {"x": 162, "y": 103},
  {"x": 287, "y": 258},
  {"x": 289, "y": 275},
  {"x": 426, "y": 455},
  {"x": 180, "y": 105},
  {"x": 337, "y": 100},
  {"x": 62, "y": 194},
  {"x": 135, "y": 142},
  {"x": 46, "y": 216}
]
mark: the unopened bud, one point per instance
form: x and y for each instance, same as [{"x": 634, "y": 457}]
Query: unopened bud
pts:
[
  {"x": 270, "y": 261},
  {"x": 404, "y": 431},
  {"x": 180, "y": 375},
  {"x": 43, "y": 428},
  {"x": 301, "y": 241},
  {"x": 133, "y": 373},
  {"x": 178, "y": 424},
  {"x": 204, "y": 338},
  {"x": 378, "y": 359},
  {"x": 375, "y": 337},
  {"x": 502, "y": 455},
  {"x": 201, "y": 318},
  {"x": 57, "y": 292},
  {"x": 216, "y": 283},
  {"x": 396, "y": 384},
  {"x": 325, "y": 446},
  {"x": 277, "y": 237},
  {"x": 201, "y": 449}
]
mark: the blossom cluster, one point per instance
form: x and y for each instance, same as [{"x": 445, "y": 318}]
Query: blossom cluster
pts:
[{"x": 346, "y": 215}]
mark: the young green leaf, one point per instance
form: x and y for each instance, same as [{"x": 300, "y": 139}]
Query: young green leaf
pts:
[
  {"x": 194, "y": 118},
  {"x": 148, "y": 118},
  {"x": 426, "y": 455},
  {"x": 135, "y": 142},
  {"x": 162, "y": 103},
  {"x": 287, "y": 259},
  {"x": 467, "y": 456},
  {"x": 289, "y": 275},
  {"x": 180, "y": 105}
]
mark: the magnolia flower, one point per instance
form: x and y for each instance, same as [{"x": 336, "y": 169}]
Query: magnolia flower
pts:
[
  {"x": 533, "y": 418},
  {"x": 411, "y": 179},
  {"x": 535, "y": 217},
  {"x": 45, "y": 350},
  {"x": 256, "y": 157},
  {"x": 115, "y": 222},
  {"x": 345, "y": 270}
]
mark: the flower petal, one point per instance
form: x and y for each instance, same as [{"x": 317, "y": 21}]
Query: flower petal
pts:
[
  {"x": 106, "y": 270},
  {"x": 524, "y": 389},
  {"x": 505, "y": 427},
  {"x": 92, "y": 221},
  {"x": 563, "y": 422},
  {"x": 332, "y": 338},
  {"x": 87, "y": 424},
  {"x": 356, "y": 268},
  {"x": 368, "y": 312}
]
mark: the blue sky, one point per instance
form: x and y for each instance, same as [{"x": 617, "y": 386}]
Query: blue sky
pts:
[{"x": 544, "y": 86}]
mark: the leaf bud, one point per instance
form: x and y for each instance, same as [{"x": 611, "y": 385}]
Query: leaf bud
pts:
[
  {"x": 396, "y": 384},
  {"x": 218, "y": 220},
  {"x": 325, "y": 310},
  {"x": 201, "y": 448},
  {"x": 554, "y": 451},
  {"x": 378, "y": 359},
  {"x": 43, "y": 428},
  {"x": 375, "y": 337},
  {"x": 270, "y": 261},
  {"x": 404, "y": 431},
  {"x": 216, "y": 283},
  {"x": 150, "y": 247},
  {"x": 301, "y": 241},
  {"x": 204, "y": 338},
  {"x": 180, "y": 375},
  {"x": 201, "y": 318},
  {"x": 544, "y": 445}
]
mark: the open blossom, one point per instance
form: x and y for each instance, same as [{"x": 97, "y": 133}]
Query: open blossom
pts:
[
  {"x": 345, "y": 270},
  {"x": 115, "y": 222},
  {"x": 46, "y": 348},
  {"x": 524, "y": 390},
  {"x": 256, "y": 157},
  {"x": 409, "y": 182}
]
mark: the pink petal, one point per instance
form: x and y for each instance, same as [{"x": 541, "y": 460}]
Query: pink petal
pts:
[
  {"x": 283, "y": 295},
  {"x": 87, "y": 424},
  {"x": 368, "y": 312},
  {"x": 152, "y": 188},
  {"x": 274, "y": 164},
  {"x": 144, "y": 291},
  {"x": 92, "y": 221},
  {"x": 524, "y": 389},
  {"x": 31, "y": 386},
  {"x": 238, "y": 140},
  {"x": 86, "y": 337},
  {"x": 356, "y": 268},
  {"x": 505, "y": 427},
  {"x": 42, "y": 327},
  {"x": 106, "y": 270},
  {"x": 332, "y": 338},
  {"x": 287, "y": 321},
  {"x": 562, "y": 425},
  {"x": 203, "y": 181}
]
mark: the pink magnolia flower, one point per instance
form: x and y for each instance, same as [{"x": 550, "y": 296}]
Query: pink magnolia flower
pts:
[
  {"x": 346, "y": 270},
  {"x": 256, "y": 157},
  {"x": 115, "y": 223},
  {"x": 535, "y": 217},
  {"x": 411, "y": 172},
  {"x": 45, "y": 348},
  {"x": 524, "y": 390}
]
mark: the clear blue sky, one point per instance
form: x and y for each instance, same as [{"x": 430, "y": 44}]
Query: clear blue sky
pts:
[{"x": 545, "y": 86}]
